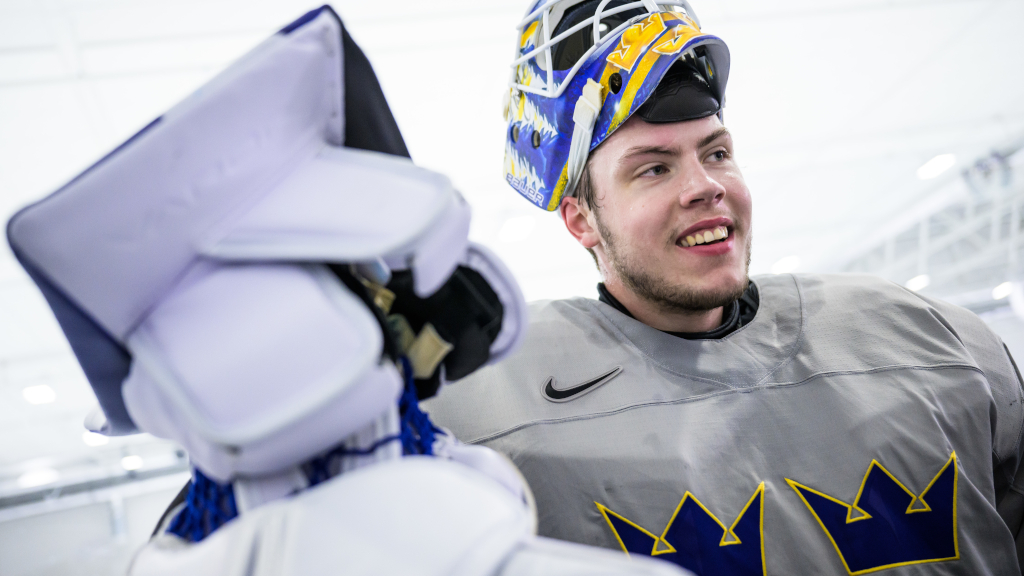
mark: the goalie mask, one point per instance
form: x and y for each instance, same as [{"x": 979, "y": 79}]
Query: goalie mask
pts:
[
  {"x": 240, "y": 278},
  {"x": 582, "y": 68}
]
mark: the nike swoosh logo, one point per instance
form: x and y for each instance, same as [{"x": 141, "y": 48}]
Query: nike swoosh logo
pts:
[{"x": 555, "y": 395}]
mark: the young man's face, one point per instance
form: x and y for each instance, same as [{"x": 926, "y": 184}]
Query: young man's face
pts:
[{"x": 656, "y": 185}]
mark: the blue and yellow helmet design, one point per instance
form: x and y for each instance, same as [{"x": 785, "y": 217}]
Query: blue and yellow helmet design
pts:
[{"x": 583, "y": 67}]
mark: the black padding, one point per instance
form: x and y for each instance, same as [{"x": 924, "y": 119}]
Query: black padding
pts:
[
  {"x": 682, "y": 94},
  {"x": 465, "y": 312},
  {"x": 344, "y": 273},
  {"x": 369, "y": 124},
  {"x": 566, "y": 53}
]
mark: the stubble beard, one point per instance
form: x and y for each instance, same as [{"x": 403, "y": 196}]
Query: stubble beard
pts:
[{"x": 660, "y": 292}]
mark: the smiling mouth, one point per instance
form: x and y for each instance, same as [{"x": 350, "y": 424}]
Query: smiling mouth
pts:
[{"x": 709, "y": 236}]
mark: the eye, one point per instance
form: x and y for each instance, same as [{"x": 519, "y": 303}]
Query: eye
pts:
[
  {"x": 719, "y": 155},
  {"x": 656, "y": 170}
]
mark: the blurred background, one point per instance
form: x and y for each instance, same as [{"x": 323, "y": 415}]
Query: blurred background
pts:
[{"x": 877, "y": 136}]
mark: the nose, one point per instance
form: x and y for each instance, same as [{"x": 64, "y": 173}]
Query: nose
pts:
[{"x": 698, "y": 187}]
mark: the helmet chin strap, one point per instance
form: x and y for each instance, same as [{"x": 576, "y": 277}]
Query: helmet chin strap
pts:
[{"x": 584, "y": 116}]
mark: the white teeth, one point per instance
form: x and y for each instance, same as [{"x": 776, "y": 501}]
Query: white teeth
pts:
[{"x": 705, "y": 237}]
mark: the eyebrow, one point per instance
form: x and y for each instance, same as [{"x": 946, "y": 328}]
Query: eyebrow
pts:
[
  {"x": 663, "y": 151},
  {"x": 718, "y": 133},
  {"x": 645, "y": 150}
]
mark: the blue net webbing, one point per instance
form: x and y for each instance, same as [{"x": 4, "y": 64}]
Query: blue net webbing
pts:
[
  {"x": 417, "y": 431},
  {"x": 208, "y": 505}
]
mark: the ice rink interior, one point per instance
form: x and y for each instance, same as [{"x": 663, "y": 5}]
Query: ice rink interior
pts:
[{"x": 878, "y": 136}]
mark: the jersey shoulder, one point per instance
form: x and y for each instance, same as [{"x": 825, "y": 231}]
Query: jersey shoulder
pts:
[
  {"x": 859, "y": 305},
  {"x": 882, "y": 322},
  {"x": 568, "y": 342}
]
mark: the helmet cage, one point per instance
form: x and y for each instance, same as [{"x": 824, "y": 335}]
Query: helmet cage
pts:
[{"x": 552, "y": 87}]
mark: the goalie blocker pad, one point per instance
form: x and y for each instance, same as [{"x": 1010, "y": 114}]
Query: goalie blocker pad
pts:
[{"x": 191, "y": 267}]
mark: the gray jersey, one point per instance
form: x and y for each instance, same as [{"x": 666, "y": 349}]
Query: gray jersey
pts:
[{"x": 852, "y": 427}]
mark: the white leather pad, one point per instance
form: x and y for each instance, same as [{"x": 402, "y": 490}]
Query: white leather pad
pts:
[
  {"x": 255, "y": 368},
  {"x": 345, "y": 205},
  {"x": 119, "y": 236}
]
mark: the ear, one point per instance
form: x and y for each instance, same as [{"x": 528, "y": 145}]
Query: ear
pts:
[{"x": 580, "y": 222}]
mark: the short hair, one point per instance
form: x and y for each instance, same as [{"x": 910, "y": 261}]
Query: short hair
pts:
[
  {"x": 588, "y": 197},
  {"x": 585, "y": 187}
]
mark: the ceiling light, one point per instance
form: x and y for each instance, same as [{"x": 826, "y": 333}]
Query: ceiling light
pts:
[
  {"x": 787, "y": 264},
  {"x": 517, "y": 229},
  {"x": 41, "y": 394},
  {"x": 919, "y": 282},
  {"x": 1002, "y": 291},
  {"x": 936, "y": 166},
  {"x": 133, "y": 462},
  {"x": 94, "y": 439},
  {"x": 38, "y": 477}
]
